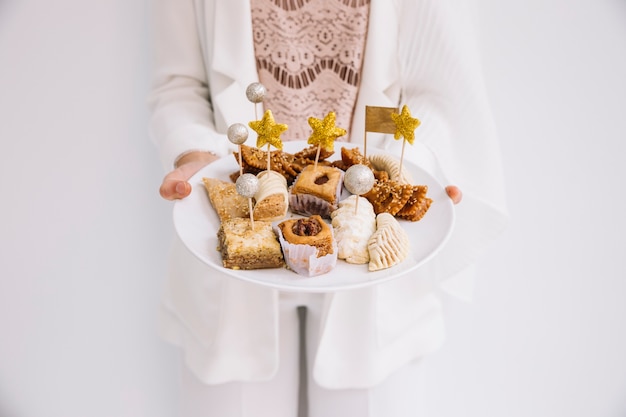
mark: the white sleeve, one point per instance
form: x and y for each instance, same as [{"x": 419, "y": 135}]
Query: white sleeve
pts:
[
  {"x": 444, "y": 88},
  {"x": 181, "y": 112}
]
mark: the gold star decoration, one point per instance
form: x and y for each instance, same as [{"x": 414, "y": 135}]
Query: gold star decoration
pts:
[
  {"x": 325, "y": 132},
  {"x": 405, "y": 125},
  {"x": 268, "y": 130}
]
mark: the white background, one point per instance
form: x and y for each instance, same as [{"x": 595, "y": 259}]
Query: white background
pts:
[{"x": 83, "y": 232}]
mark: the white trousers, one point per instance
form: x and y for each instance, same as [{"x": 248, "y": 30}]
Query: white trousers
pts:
[{"x": 290, "y": 395}]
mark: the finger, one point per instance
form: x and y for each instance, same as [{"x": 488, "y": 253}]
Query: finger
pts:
[
  {"x": 175, "y": 185},
  {"x": 172, "y": 189},
  {"x": 454, "y": 193}
]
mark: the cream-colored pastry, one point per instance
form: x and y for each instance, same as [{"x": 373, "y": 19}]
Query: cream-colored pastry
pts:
[
  {"x": 389, "y": 245},
  {"x": 353, "y": 228},
  {"x": 391, "y": 165},
  {"x": 272, "y": 198}
]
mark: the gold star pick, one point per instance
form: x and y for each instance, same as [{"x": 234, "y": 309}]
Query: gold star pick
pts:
[
  {"x": 405, "y": 125},
  {"x": 268, "y": 130},
  {"x": 325, "y": 132}
]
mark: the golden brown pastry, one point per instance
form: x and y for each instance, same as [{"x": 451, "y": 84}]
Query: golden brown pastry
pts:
[
  {"x": 417, "y": 205},
  {"x": 308, "y": 231},
  {"x": 389, "y": 196},
  {"x": 243, "y": 247},
  {"x": 308, "y": 245},
  {"x": 228, "y": 204},
  {"x": 316, "y": 190},
  {"x": 254, "y": 160}
]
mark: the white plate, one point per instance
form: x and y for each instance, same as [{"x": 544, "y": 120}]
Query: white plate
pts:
[{"x": 197, "y": 223}]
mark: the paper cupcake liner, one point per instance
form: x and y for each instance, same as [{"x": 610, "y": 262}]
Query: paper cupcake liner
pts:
[
  {"x": 308, "y": 205},
  {"x": 303, "y": 259}
]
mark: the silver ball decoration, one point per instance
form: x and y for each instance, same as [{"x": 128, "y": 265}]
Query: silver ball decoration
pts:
[
  {"x": 256, "y": 92},
  {"x": 237, "y": 133},
  {"x": 247, "y": 185},
  {"x": 358, "y": 179}
]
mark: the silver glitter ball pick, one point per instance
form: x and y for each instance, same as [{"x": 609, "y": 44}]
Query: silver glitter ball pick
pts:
[
  {"x": 358, "y": 179},
  {"x": 256, "y": 92},
  {"x": 237, "y": 133},
  {"x": 247, "y": 185}
]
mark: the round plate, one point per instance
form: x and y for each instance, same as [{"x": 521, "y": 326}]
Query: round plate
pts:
[{"x": 196, "y": 224}]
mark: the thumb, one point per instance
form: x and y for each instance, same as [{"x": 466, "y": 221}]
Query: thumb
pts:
[
  {"x": 175, "y": 185},
  {"x": 454, "y": 193},
  {"x": 174, "y": 189}
]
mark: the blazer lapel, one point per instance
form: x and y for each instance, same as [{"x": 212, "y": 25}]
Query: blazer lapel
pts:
[
  {"x": 233, "y": 53},
  {"x": 380, "y": 65},
  {"x": 232, "y": 62},
  {"x": 380, "y": 81}
]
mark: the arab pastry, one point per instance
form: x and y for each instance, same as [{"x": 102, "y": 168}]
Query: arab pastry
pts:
[
  {"x": 391, "y": 165},
  {"x": 389, "y": 244},
  {"x": 353, "y": 228}
]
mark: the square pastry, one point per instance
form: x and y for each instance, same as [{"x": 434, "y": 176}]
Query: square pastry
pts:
[
  {"x": 243, "y": 247},
  {"x": 316, "y": 191}
]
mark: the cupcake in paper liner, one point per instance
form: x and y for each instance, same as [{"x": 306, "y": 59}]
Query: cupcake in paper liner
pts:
[
  {"x": 308, "y": 245},
  {"x": 316, "y": 190}
]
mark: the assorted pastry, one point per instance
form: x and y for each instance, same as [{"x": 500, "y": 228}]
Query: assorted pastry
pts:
[
  {"x": 308, "y": 245},
  {"x": 310, "y": 224},
  {"x": 307, "y": 212}
]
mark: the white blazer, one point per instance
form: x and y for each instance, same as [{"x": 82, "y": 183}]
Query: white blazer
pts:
[{"x": 417, "y": 53}]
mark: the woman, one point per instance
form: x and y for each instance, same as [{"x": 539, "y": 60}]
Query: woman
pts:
[{"x": 240, "y": 341}]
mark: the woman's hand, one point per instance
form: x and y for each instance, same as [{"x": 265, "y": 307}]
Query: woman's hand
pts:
[
  {"x": 175, "y": 185},
  {"x": 454, "y": 193}
]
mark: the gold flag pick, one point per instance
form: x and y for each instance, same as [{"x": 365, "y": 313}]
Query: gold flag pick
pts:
[{"x": 378, "y": 120}]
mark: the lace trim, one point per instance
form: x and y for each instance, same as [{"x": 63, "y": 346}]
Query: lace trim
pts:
[
  {"x": 307, "y": 76},
  {"x": 309, "y": 55},
  {"x": 297, "y": 4},
  {"x": 291, "y": 4}
]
